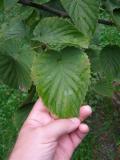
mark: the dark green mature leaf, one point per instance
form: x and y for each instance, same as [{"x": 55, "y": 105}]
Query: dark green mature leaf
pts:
[
  {"x": 104, "y": 87},
  {"x": 15, "y": 64},
  {"x": 93, "y": 53},
  {"x": 9, "y": 3},
  {"x": 25, "y": 12},
  {"x": 110, "y": 61},
  {"x": 62, "y": 80},
  {"x": 20, "y": 116},
  {"x": 84, "y": 14},
  {"x": 59, "y": 33},
  {"x": 1, "y": 5},
  {"x": 113, "y": 6},
  {"x": 14, "y": 28}
]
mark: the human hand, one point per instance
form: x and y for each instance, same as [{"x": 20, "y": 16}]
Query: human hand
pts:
[{"x": 44, "y": 137}]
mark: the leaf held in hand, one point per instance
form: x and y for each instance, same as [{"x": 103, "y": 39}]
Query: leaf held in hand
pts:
[{"x": 62, "y": 80}]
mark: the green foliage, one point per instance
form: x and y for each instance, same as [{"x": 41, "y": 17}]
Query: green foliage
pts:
[
  {"x": 85, "y": 151},
  {"x": 8, "y": 4},
  {"x": 58, "y": 45},
  {"x": 83, "y": 13},
  {"x": 15, "y": 62},
  {"x": 61, "y": 34},
  {"x": 41, "y": 1},
  {"x": 113, "y": 8},
  {"x": 10, "y": 99},
  {"x": 25, "y": 31},
  {"x": 104, "y": 87},
  {"x": 105, "y": 62},
  {"x": 64, "y": 81},
  {"x": 110, "y": 61},
  {"x": 12, "y": 29}
]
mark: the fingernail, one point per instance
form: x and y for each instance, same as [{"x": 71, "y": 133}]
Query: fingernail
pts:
[
  {"x": 75, "y": 120},
  {"x": 87, "y": 108},
  {"x": 84, "y": 128}
]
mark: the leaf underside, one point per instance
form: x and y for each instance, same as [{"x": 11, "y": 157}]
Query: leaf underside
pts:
[{"x": 62, "y": 80}]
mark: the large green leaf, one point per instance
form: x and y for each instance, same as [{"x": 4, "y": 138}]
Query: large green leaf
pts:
[
  {"x": 110, "y": 61},
  {"x": 104, "y": 87},
  {"x": 14, "y": 28},
  {"x": 62, "y": 80},
  {"x": 84, "y": 14},
  {"x": 9, "y": 3},
  {"x": 15, "y": 64},
  {"x": 59, "y": 33}
]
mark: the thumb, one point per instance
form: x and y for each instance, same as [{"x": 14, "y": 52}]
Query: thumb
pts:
[{"x": 61, "y": 127}]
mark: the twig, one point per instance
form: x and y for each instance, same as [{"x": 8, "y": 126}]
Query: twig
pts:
[
  {"x": 45, "y": 8},
  {"x": 106, "y": 22},
  {"x": 57, "y": 12}
]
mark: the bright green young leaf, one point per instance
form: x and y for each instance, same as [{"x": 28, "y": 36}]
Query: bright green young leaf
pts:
[
  {"x": 59, "y": 33},
  {"x": 110, "y": 61},
  {"x": 15, "y": 64},
  {"x": 62, "y": 79},
  {"x": 84, "y": 14}
]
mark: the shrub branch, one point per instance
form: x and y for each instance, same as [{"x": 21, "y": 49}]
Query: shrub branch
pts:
[{"x": 57, "y": 12}]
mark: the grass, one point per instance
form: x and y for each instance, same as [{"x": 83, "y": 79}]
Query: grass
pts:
[
  {"x": 9, "y": 101},
  {"x": 102, "y": 122}
]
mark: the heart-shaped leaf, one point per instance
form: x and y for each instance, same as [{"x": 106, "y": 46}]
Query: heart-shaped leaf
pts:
[
  {"x": 84, "y": 14},
  {"x": 62, "y": 80}
]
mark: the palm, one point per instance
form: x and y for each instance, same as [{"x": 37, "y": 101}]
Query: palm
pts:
[
  {"x": 65, "y": 145},
  {"x": 65, "y": 148}
]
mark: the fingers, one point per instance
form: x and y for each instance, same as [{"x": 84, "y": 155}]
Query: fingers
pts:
[
  {"x": 83, "y": 129},
  {"x": 39, "y": 114},
  {"x": 39, "y": 107},
  {"x": 85, "y": 112},
  {"x": 79, "y": 134},
  {"x": 62, "y": 127}
]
